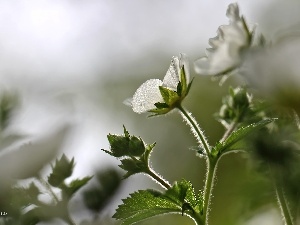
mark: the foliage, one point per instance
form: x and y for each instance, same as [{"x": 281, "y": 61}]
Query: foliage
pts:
[{"x": 253, "y": 124}]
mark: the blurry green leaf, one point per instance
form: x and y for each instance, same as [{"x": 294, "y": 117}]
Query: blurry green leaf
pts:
[
  {"x": 148, "y": 203},
  {"x": 97, "y": 197},
  {"x": 109, "y": 180},
  {"x": 75, "y": 185},
  {"x": 94, "y": 199},
  {"x": 237, "y": 135},
  {"x": 32, "y": 217},
  {"x": 8, "y": 102},
  {"x": 62, "y": 169}
]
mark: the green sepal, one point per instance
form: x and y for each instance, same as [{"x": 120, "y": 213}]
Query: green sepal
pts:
[
  {"x": 239, "y": 134},
  {"x": 189, "y": 86},
  {"x": 161, "y": 105},
  {"x": 169, "y": 96},
  {"x": 144, "y": 204},
  {"x": 179, "y": 89},
  {"x": 161, "y": 110},
  {"x": 62, "y": 169},
  {"x": 183, "y": 84}
]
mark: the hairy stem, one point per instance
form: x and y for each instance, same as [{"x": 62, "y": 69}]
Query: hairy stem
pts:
[
  {"x": 209, "y": 182},
  {"x": 282, "y": 202},
  {"x": 158, "y": 178},
  {"x": 195, "y": 129},
  {"x": 283, "y": 205}
]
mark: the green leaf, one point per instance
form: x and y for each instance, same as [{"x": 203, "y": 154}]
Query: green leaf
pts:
[
  {"x": 125, "y": 145},
  {"x": 238, "y": 135},
  {"x": 75, "y": 185},
  {"x": 132, "y": 166},
  {"x": 119, "y": 144},
  {"x": 148, "y": 203},
  {"x": 62, "y": 169},
  {"x": 145, "y": 204},
  {"x": 136, "y": 146}
]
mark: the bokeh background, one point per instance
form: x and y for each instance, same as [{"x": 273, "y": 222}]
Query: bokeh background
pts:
[{"x": 75, "y": 61}]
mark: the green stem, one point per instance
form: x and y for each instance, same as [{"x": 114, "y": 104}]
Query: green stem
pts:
[
  {"x": 196, "y": 217},
  {"x": 157, "y": 178},
  {"x": 47, "y": 186},
  {"x": 195, "y": 129},
  {"x": 211, "y": 171},
  {"x": 283, "y": 205}
]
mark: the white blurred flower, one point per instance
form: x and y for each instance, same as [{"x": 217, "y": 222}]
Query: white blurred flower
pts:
[
  {"x": 275, "y": 71},
  {"x": 27, "y": 161},
  {"x": 225, "y": 52},
  {"x": 160, "y": 97}
]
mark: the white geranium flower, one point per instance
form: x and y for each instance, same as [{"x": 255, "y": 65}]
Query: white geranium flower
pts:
[
  {"x": 225, "y": 52},
  {"x": 160, "y": 97}
]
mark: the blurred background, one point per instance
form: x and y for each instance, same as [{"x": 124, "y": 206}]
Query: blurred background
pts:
[{"x": 75, "y": 62}]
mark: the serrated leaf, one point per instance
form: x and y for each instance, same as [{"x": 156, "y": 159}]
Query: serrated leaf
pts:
[
  {"x": 238, "y": 135},
  {"x": 148, "y": 203},
  {"x": 119, "y": 144},
  {"x": 145, "y": 204}
]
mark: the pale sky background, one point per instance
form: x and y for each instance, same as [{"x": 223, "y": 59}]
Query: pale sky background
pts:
[{"x": 57, "y": 53}]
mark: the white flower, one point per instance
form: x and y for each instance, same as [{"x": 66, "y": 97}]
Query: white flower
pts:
[
  {"x": 225, "y": 52},
  {"x": 160, "y": 97},
  {"x": 27, "y": 161}
]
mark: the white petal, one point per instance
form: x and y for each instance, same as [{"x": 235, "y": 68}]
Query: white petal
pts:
[
  {"x": 146, "y": 96},
  {"x": 171, "y": 79},
  {"x": 225, "y": 53},
  {"x": 233, "y": 12}
]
